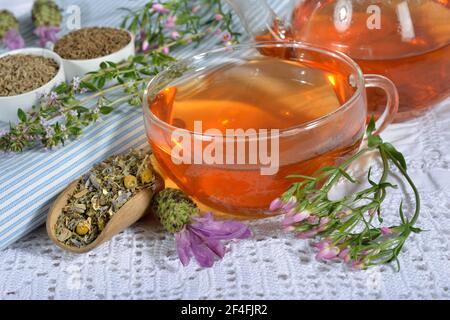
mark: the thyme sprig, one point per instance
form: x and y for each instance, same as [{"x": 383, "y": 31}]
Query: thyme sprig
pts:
[
  {"x": 62, "y": 114},
  {"x": 347, "y": 227}
]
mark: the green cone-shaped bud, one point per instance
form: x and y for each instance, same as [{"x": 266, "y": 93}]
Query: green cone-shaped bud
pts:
[
  {"x": 46, "y": 13},
  {"x": 7, "y": 22},
  {"x": 174, "y": 209}
]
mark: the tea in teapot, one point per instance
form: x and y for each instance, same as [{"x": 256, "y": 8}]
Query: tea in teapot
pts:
[{"x": 407, "y": 41}]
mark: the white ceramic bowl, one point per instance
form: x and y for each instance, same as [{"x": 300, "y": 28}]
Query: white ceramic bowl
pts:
[
  {"x": 78, "y": 68},
  {"x": 25, "y": 101}
]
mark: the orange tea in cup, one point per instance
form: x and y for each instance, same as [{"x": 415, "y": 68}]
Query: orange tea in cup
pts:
[{"x": 295, "y": 116}]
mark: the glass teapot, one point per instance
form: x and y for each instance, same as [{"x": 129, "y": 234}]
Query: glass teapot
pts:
[{"x": 405, "y": 40}]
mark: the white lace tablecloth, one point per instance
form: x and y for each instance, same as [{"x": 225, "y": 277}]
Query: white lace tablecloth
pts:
[{"x": 141, "y": 263}]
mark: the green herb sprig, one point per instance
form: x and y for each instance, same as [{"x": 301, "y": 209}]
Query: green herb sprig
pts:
[
  {"x": 179, "y": 22},
  {"x": 62, "y": 114},
  {"x": 347, "y": 227}
]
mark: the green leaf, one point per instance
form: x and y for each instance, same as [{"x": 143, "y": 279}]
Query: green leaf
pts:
[
  {"x": 75, "y": 131},
  {"x": 108, "y": 75},
  {"x": 395, "y": 154},
  {"x": 146, "y": 72},
  {"x": 88, "y": 85},
  {"x": 374, "y": 141},
  {"x": 139, "y": 59},
  {"x": 327, "y": 169},
  {"x": 80, "y": 109},
  {"x": 106, "y": 109},
  {"x": 346, "y": 175},
  {"x": 22, "y": 115},
  {"x": 61, "y": 88},
  {"x": 387, "y": 185},
  {"x": 300, "y": 176},
  {"x": 134, "y": 24},
  {"x": 371, "y": 127},
  {"x": 123, "y": 24},
  {"x": 416, "y": 230},
  {"x": 101, "y": 82}
]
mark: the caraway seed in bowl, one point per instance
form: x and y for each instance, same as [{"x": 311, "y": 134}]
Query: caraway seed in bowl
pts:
[
  {"x": 21, "y": 73},
  {"x": 91, "y": 43}
]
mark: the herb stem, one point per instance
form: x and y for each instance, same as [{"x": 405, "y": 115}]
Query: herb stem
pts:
[
  {"x": 126, "y": 64},
  {"x": 415, "y": 191},
  {"x": 345, "y": 225},
  {"x": 109, "y": 90}
]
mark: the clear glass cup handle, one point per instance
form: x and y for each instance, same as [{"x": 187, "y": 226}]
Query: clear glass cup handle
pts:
[{"x": 377, "y": 81}]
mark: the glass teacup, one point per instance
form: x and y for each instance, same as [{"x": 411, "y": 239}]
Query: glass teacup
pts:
[{"x": 229, "y": 125}]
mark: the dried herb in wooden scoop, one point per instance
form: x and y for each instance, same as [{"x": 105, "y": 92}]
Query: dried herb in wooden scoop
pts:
[{"x": 112, "y": 196}]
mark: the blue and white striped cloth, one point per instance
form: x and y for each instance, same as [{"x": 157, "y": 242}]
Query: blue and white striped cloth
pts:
[{"x": 30, "y": 181}]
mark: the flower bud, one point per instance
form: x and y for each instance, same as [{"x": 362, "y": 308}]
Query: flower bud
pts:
[
  {"x": 275, "y": 204},
  {"x": 46, "y": 13},
  {"x": 290, "y": 204},
  {"x": 174, "y": 209},
  {"x": 7, "y": 22}
]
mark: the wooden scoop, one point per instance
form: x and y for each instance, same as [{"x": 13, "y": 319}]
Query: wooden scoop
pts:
[{"x": 133, "y": 210}]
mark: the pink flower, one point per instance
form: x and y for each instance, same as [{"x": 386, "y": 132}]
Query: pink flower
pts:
[
  {"x": 345, "y": 255},
  {"x": 357, "y": 264},
  {"x": 291, "y": 212},
  {"x": 170, "y": 22},
  {"x": 275, "y": 204},
  {"x": 158, "y": 7},
  {"x": 226, "y": 36},
  {"x": 145, "y": 45},
  {"x": 218, "y": 17},
  {"x": 322, "y": 244},
  {"x": 290, "y": 204},
  {"x": 323, "y": 224},
  {"x": 291, "y": 219},
  {"x": 174, "y": 35},
  {"x": 313, "y": 220},
  {"x": 327, "y": 251},
  {"x": 166, "y": 50},
  {"x": 202, "y": 239},
  {"x": 13, "y": 40},
  {"x": 307, "y": 234},
  {"x": 46, "y": 34},
  {"x": 385, "y": 231}
]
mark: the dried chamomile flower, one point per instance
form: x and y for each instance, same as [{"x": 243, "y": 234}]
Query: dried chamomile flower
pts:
[
  {"x": 130, "y": 182},
  {"x": 100, "y": 194}
]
